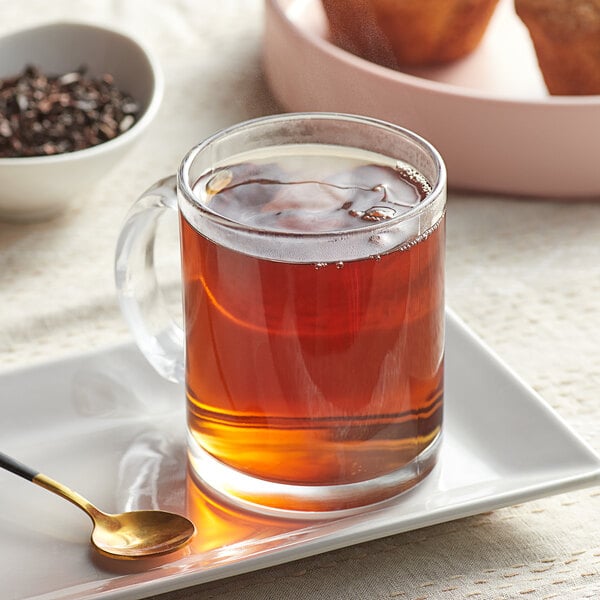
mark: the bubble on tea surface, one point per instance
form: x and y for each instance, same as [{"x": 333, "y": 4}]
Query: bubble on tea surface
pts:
[
  {"x": 410, "y": 174},
  {"x": 218, "y": 182},
  {"x": 379, "y": 213}
]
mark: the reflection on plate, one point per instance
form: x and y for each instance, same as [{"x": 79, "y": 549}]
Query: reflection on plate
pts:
[
  {"x": 488, "y": 114},
  {"x": 107, "y": 425}
]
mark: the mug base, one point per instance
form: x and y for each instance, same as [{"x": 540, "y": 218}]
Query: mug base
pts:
[{"x": 306, "y": 501}]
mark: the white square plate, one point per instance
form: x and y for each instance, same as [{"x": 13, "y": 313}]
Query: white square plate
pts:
[{"x": 106, "y": 425}]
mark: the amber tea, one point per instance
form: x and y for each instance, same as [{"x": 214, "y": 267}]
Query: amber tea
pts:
[{"x": 319, "y": 373}]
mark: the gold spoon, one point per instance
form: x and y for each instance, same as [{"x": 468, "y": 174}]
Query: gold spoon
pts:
[{"x": 129, "y": 535}]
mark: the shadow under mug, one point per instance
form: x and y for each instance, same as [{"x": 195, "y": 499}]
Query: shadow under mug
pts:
[{"x": 313, "y": 360}]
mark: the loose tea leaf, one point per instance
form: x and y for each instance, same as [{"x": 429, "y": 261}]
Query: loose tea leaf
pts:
[{"x": 42, "y": 114}]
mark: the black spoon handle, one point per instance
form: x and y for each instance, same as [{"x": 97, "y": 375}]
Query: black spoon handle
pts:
[{"x": 14, "y": 466}]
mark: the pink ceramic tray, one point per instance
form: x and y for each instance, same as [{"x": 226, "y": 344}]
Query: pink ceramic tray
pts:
[{"x": 489, "y": 114}]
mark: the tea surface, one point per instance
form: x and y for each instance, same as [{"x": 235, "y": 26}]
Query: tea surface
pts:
[{"x": 312, "y": 191}]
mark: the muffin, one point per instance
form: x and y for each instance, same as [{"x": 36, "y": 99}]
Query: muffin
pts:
[
  {"x": 397, "y": 33},
  {"x": 566, "y": 38}
]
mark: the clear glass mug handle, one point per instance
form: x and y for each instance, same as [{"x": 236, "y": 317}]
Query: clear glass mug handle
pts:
[{"x": 158, "y": 336}]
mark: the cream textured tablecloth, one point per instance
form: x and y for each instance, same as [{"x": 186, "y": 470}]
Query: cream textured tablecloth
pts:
[{"x": 525, "y": 275}]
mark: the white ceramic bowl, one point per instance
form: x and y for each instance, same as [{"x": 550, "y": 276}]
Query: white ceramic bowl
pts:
[{"x": 36, "y": 188}]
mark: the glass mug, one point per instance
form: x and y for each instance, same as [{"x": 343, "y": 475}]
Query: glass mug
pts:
[{"x": 312, "y": 250}]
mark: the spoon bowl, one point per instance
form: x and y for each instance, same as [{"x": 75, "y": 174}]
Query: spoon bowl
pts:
[
  {"x": 128, "y": 535},
  {"x": 140, "y": 534}
]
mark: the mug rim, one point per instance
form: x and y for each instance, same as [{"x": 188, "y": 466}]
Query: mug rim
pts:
[{"x": 184, "y": 186}]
